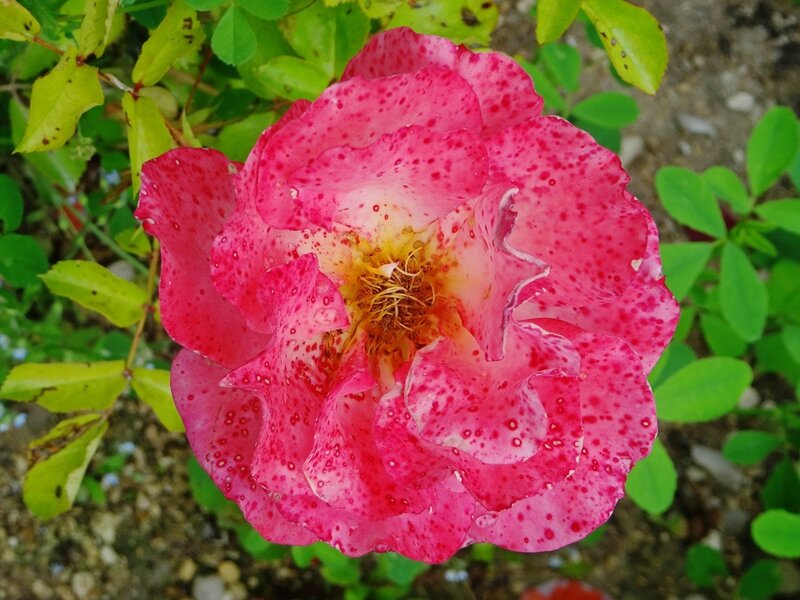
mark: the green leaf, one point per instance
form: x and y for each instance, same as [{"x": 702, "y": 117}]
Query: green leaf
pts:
[
  {"x": 653, "y": 481},
  {"x": 66, "y": 387},
  {"x": 271, "y": 44},
  {"x": 791, "y": 339},
  {"x": 761, "y": 581},
  {"x": 237, "y": 139},
  {"x": 257, "y": 547},
  {"x": 463, "y": 21},
  {"x": 688, "y": 199},
  {"x": 771, "y": 148},
  {"x": 720, "y": 336},
  {"x": 98, "y": 289},
  {"x": 782, "y": 213},
  {"x": 178, "y": 34},
  {"x": 269, "y": 10},
  {"x": 727, "y": 186},
  {"x": 743, "y": 296},
  {"x": 778, "y": 533},
  {"x": 59, "y": 460},
  {"x": 152, "y": 387},
  {"x": 234, "y": 40},
  {"x": 95, "y": 31},
  {"x": 784, "y": 289},
  {"x": 553, "y": 101},
  {"x": 673, "y": 359},
  {"x": 563, "y": 64},
  {"x": 633, "y": 40},
  {"x": 399, "y": 569},
  {"x": 16, "y": 23},
  {"x": 10, "y": 204},
  {"x": 326, "y": 37},
  {"x": 683, "y": 263},
  {"x": 608, "y": 109},
  {"x": 704, "y": 564},
  {"x": 553, "y": 17},
  {"x": 148, "y": 135},
  {"x": 794, "y": 167},
  {"x": 57, "y": 101},
  {"x": 134, "y": 240},
  {"x": 773, "y": 356},
  {"x": 782, "y": 489},
  {"x": 205, "y": 491},
  {"x": 703, "y": 390},
  {"x": 21, "y": 260},
  {"x": 59, "y": 166},
  {"x": 205, "y": 4},
  {"x": 293, "y": 78},
  {"x": 748, "y": 447}
]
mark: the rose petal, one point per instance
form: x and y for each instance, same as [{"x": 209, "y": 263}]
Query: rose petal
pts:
[
  {"x": 406, "y": 178},
  {"x": 357, "y": 113},
  {"x": 572, "y": 209},
  {"x": 488, "y": 275},
  {"x": 222, "y": 426},
  {"x": 645, "y": 315},
  {"x": 505, "y": 90},
  {"x": 185, "y": 198},
  {"x": 292, "y": 374},
  {"x": 618, "y": 414},
  {"x": 431, "y": 536}
]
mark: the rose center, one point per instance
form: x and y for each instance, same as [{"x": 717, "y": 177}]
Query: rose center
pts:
[{"x": 391, "y": 292}]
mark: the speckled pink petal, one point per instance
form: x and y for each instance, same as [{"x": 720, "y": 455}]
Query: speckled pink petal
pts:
[
  {"x": 186, "y": 196},
  {"x": 357, "y": 113},
  {"x": 618, "y": 415},
  {"x": 222, "y": 426},
  {"x": 431, "y": 536},
  {"x": 292, "y": 375},
  {"x": 344, "y": 451},
  {"x": 572, "y": 209},
  {"x": 488, "y": 275},
  {"x": 246, "y": 246},
  {"x": 645, "y": 315},
  {"x": 504, "y": 89},
  {"x": 409, "y": 177}
]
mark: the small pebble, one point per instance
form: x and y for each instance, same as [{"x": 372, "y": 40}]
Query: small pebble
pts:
[
  {"x": 630, "y": 149},
  {"x": 228, "y": 571},
  {"x": 696, "y": 125},
  {"x": 187, "y": 569},
  {"x": 749, "y": 398},
  {"x": 456, "y": 575},
  {"x": 208, "y": 587},
  {"x": 718, "y": 466},
  {"x": 82, "y": 584},
  {"x": 741, "y": 102}
]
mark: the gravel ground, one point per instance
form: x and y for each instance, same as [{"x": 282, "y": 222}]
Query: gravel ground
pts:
[{"x": 729, "y": 62}]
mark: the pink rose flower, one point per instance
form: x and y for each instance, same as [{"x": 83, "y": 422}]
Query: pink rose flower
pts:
[{"x": 419, "y": 316}]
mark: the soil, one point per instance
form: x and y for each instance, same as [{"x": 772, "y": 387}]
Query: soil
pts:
[{"x": 729, "y": 61}]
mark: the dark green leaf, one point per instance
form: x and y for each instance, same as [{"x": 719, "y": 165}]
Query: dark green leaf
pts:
[
  {"x": 563, "y": 64},
  {"x": 10, "y": 204},
  {"x": 704, "y": 564},
  {"x": 771, "y": 148},
  {"x": 782, "y": 489},
  {"x": 607, "y": 109},
  {"x": 553, "y": 101},
  {"x": 761, "y": 581},
  {"x": 234, "y": 40},
  {"x": 749, "y": 447},
  {"x": 21, "y": 260},
  {"x": 743, "y": 296},
  {"x": 673, "y": 359},
  {"x": 720, "y": 336}
]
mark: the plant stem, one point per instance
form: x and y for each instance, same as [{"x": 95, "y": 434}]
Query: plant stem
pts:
[
  {"x": 151, "y": 284},
  {"x": 100, "y": 234}
]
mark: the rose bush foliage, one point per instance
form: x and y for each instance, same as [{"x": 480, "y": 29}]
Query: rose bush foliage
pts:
[{"x": 419, "y": 316}]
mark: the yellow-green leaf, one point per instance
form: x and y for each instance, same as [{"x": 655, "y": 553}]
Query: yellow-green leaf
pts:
[
  {"x": 633, "y": 40},
  {"x": 178, "y": 34},
  {"x": 463, "y": 21},
  {"x": 553, "y": 17},
  {"x": 59, "y": 460},
  {"x": 95, "y": 31},
  {"x": 66, "y": 387},
  {"x": 98, "y": 289},
  {"x": 152, "y": 387},
  {"x": 148, "y": 135},
  {"x": 134, "y": 240},
  {"x": 57, "y": 101},
  {"x": 16, "y": 23}
]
